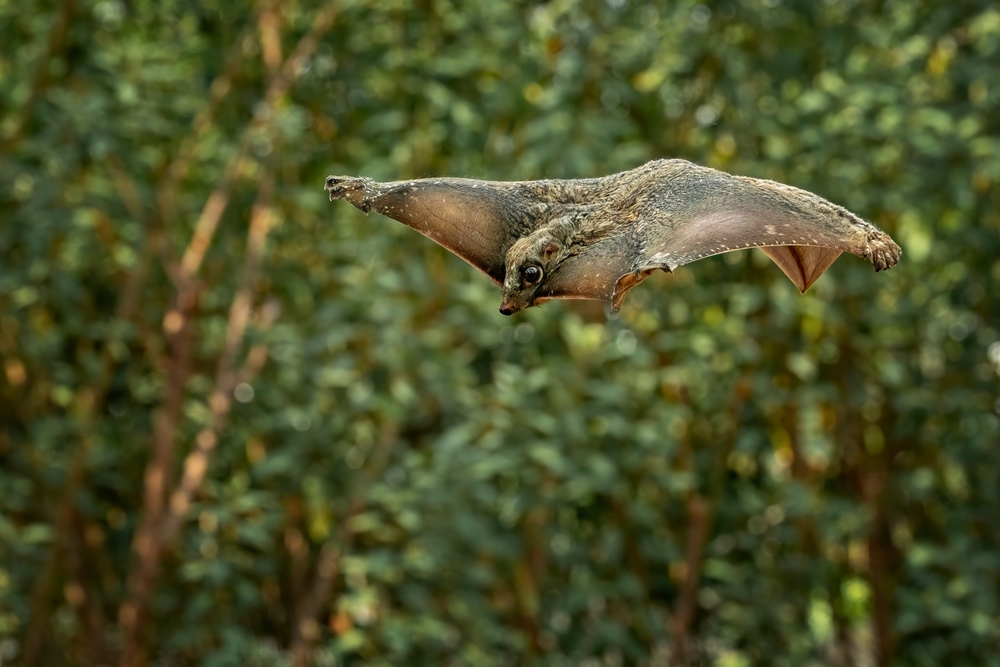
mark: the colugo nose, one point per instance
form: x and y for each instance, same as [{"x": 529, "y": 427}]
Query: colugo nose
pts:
[{"x": 510, "y": 306}]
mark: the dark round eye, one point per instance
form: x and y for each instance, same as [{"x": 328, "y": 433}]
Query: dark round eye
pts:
[{"x": 532, "y": 274}]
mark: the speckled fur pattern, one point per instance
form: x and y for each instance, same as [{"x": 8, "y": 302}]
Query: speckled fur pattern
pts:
[{"x": 614, "y": 230}]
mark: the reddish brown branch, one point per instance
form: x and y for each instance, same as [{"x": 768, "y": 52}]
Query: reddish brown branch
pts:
[
  {"x": 270, "y": 35},
  {"x": 82, "y": 592},
  {"x": 196, "y": 462},
  {"x": 306, "y": 630},
  {"x": 529, "y": 574},
  {"x": 147, "y": 543},
  {"x": 161, "y": 523},
  {"x": 881, "y": 562},
  {"x": 298, "y": 552},
  {"x": 699, "y": 521}
]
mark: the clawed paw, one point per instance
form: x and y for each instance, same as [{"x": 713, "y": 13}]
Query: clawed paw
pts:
[
  {"x": 883, "y": 252},
  {"x": 341, "y": 187}
]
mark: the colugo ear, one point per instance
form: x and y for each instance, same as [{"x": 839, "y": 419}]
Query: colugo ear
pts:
[{"x": 549, "y": 249}]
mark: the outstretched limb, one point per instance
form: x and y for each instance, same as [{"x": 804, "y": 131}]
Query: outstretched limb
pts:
[{"x": 359, "y": 190}]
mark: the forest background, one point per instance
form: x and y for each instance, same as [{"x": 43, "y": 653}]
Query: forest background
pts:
[{"x": 240, "y": 425}]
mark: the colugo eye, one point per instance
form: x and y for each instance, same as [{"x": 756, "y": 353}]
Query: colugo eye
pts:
[{"x": 532, "y": 274}]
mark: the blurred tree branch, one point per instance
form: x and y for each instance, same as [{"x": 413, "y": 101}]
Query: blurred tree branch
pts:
[
  {"x": 410, "y": 479},
  {"x": 160, "y": 523}
]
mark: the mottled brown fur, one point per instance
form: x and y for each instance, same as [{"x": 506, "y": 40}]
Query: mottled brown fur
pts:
[{"x": 596, "y": 238}]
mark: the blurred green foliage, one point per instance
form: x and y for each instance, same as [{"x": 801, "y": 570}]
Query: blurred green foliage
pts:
[{"x": 728, "y": 473}]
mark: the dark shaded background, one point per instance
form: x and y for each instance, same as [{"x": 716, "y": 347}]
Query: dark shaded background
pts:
[{"x": 240, "y": 425}]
